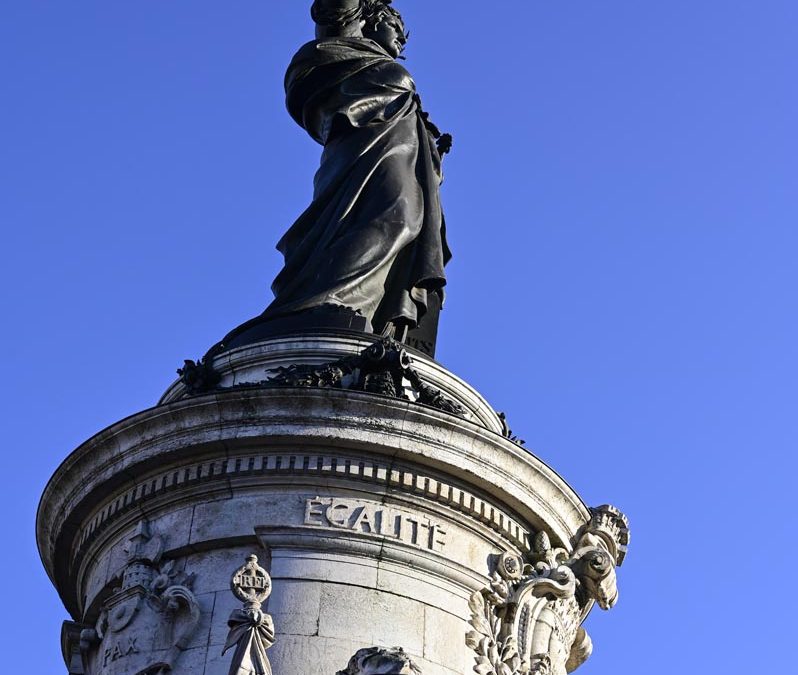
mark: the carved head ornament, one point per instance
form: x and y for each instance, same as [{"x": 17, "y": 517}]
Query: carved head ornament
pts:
[{"x": 381, "y": 661}]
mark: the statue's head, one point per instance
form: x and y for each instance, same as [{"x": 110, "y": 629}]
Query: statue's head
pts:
[
  {"x": 384, "y": 25},
  {"x": 381, "y": 661}
]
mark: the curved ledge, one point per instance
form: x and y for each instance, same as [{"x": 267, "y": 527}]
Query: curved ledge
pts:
[
  {"x": 251, "y": 364},
  {"x": 227, "y": 424}
]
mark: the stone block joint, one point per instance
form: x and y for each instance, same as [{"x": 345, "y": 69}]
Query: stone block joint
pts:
[{"x": 377, "y": 520}]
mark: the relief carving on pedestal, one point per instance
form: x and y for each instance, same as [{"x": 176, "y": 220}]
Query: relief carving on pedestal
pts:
[
  {"x": 528, "y": 620},
  {"x": 251, "y": 629},
  {"x": 148, "y": 621},
  {"x": 381, "y": 661},
  {"x": 383, "y": 368}
]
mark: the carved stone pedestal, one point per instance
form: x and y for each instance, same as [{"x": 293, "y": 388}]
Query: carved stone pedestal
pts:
[{"x": 381, "y": 497}]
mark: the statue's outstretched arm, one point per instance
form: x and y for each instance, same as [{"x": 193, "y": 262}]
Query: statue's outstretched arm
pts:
[{"x": 337, "y": 18}]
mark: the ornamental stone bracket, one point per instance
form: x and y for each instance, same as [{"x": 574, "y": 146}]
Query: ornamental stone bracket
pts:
[
  {"x": 528, "y": 619},
  {"x": 381, "y": 661},
  {"x": 71, "y": 648},
  {"x": 383, "y": 368},
  {"x": 147, "y": 622},
  {"x": 251, "y": 629}
]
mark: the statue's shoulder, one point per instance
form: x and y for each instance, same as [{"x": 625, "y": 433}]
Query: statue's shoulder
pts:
[
  {"x": 357, "y": 45},
  {"x": 337, "y": 50},
  {"x": 326, "y": 61}
]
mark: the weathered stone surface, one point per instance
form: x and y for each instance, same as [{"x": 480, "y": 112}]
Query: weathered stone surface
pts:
[
  {"x": 439, "y": 647},
  {"x": 251, "y": 629},
  {"x": 296, "y": 607},
  {"x": 528, "y": 619},
  {"x": 376, "y": 519},
  {"x": 250, "y": 365},
  {"x": 146, "y": 624}
]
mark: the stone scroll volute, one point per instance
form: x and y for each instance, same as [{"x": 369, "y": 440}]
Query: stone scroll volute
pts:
[{"x": 527, "y": 621}]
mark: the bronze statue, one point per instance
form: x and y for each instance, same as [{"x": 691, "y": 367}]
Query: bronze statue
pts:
[{"x": 373, "y": 240}]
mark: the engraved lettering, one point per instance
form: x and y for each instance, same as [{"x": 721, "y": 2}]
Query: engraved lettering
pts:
[
  {"x": 314, "y": 511},
  {"x": 120, "y": 650},
  {"x": 249, "y": 582},
  {"x": 413, "y": 530},
  {"x": 362, "y": 520},
  {"x": 416, "y": 535},
  {"x": 437, "y": 537},
  {"x": 338, "y": 514},
  {"x": 423, "y": 537},
  {"x": 116, "y": 654},
  {"x": 345, "y": 514}
]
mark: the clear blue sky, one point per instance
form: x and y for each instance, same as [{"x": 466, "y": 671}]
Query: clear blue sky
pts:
[{"x": 621, "y": 202}]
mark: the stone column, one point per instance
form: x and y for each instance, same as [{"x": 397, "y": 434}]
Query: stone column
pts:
[{"x": 381, "y": 496}]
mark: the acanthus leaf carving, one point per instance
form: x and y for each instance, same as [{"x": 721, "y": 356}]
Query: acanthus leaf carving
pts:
[
  {"x": 496, "y": 649},
  {"x": 527, "y": 620}
]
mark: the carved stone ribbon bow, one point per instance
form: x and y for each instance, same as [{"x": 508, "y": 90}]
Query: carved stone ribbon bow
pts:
[
  {"x": 251, "y": 629},
  {"x": 251, "y": 633}
]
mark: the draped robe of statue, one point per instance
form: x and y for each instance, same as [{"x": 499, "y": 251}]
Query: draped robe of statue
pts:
[{"x": 373, "y": 239}]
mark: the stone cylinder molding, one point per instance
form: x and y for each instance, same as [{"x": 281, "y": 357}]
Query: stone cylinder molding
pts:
[{"x": 367, "y": 505}]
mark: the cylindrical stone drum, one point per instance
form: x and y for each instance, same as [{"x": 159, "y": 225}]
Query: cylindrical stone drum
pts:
[{"x": 377, "y": 518}]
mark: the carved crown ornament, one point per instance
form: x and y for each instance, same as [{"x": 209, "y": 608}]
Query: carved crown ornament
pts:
[
  {"x": 527, "y": 621},
  {"x": 383, "y": 368},
  {"x": 147, "y": 622}
]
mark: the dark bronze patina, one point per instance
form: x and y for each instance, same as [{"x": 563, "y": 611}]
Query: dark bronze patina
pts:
[
  {"x": 382, "y": 368},
  {"x": 369, "y": 252}
]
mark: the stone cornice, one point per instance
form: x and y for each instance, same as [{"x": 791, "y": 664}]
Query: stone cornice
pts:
[{"x": 229, "y": 424}]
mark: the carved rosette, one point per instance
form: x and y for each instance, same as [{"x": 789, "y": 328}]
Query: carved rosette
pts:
[
  {"x": 251, "y": 629},
  {"x": 147, "y": 623},
  {"x": 528, "y": 619}
]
